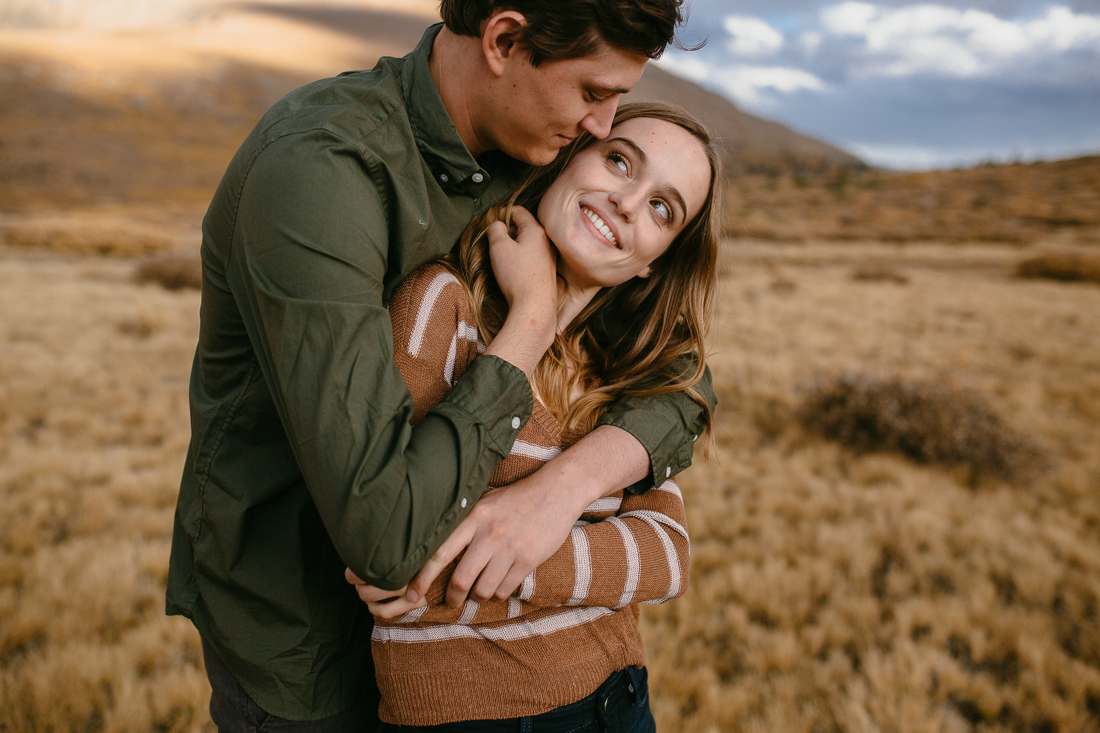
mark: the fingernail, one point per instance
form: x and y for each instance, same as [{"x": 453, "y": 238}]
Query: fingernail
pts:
[{"x": 413, "y": 596}]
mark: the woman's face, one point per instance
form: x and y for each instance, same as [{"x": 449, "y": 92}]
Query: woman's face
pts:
[{"x": 619, "y": 203}]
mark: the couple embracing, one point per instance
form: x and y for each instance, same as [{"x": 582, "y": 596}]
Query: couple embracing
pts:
[{"x": 450, "y": 358}]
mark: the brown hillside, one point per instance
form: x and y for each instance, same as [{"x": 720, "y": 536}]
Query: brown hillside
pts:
[
  {"x": 752, "y": 145},
  {"x": 1017, "y": 203},
  {"x": 140, "y": 124}
]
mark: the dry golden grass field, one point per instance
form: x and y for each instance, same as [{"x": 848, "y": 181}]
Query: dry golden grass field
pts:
[
  {"x": 830, "y": 591},
  {"x": 898, "y": 530}
]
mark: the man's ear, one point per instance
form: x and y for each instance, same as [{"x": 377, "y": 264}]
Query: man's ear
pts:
[{"x": 498, "y": 39}]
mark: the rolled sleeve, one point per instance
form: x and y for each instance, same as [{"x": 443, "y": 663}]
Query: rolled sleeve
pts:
[{"x": 667, "y": 426}]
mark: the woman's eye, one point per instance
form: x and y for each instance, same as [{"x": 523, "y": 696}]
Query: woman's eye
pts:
[
  {"x": 662, "y": 209},
  {"x": 619, "y": 161}
]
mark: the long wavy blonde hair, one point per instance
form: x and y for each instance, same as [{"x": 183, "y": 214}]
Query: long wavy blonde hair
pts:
[{"x": 643, "y": 337}]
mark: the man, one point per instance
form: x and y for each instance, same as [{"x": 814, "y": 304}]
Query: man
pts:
[{"x": 302, "y": 459}]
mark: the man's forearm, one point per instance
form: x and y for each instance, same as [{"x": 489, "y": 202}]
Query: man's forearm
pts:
[{"x": 605, "y": 461}]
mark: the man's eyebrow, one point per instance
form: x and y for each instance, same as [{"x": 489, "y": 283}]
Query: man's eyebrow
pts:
[
  {"x": 607, "y": 91},
  {"x": 672, "y": 191}
]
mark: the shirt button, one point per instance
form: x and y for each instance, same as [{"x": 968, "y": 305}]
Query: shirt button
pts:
[
  {"x": 515, "y": 423},
  {"x": 463, "y": 502},
  {"x": 478, "y": 178},
  {"x": 695, "y": 439},
  {"x": 443, "y": 177},
  {"x": 668, "y": 471}
]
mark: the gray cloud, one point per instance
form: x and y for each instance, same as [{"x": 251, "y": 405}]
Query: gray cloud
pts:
[{"x": 907, "y": 84}]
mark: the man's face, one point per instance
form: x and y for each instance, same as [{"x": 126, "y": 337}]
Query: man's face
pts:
[{"x": 541, "y": 109}]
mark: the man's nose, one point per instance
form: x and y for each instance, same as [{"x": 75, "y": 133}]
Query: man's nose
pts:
[{"x": 598, "y": 121}]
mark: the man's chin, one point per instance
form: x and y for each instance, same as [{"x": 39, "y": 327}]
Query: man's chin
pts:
[{"x": 540, "y": 156}]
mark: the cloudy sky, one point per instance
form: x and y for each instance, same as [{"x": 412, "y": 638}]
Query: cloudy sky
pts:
[{"x": 909, "y": 85}]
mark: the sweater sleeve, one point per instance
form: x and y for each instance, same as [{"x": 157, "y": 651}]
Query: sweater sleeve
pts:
[
  {"x": 434, "y": 335},
  {"x": 638, "y": 555}
]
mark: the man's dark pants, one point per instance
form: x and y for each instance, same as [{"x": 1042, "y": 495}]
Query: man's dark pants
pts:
[{"x": 233, "y": 711}]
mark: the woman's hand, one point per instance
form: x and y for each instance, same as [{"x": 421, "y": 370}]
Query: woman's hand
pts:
[
  {"x": 382, "y": 603},
  {"x": 525, "y": 268}
]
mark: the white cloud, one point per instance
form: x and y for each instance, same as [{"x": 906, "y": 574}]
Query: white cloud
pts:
[
  {"x": 752, "y": 37},
  {"x": 754, "y": 85},
  {"x": 940, "y": 40},
  {"x": 686, "y": 67},
  {"x": 810, "y": 41}
]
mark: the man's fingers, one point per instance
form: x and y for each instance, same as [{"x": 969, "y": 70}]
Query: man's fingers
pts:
[
  {"x": 489, "y": 580},
  {"x": 465, "y": 575},
  {"x": 511, "y": 582},
  {"x": 447, "y": 552},
  {"x": 352, "y": 577}
]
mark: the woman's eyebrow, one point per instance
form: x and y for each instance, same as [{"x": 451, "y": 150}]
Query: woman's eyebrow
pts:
[
  {"x": 677, "y": 200},
  {"x": 638, "y": 152}
]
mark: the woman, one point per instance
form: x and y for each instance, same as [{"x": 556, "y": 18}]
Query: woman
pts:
[{"x": 632, "y": 218}]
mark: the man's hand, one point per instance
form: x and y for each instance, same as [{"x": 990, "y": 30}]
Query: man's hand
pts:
[
  {"x": 514, "y": 529},
  {"x": 525, "y": 269}
]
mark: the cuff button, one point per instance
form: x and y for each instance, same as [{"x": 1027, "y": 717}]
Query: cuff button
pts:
[
  {"x": 463, "y": 502},
  {"x": 515, "y": 423},
  {"x": 668, "y": 471}
]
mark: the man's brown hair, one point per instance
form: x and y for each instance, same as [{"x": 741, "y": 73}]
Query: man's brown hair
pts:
[{"x": 569, "y": 29}]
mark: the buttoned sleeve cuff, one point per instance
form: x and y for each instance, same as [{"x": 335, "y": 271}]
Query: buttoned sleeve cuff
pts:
[
  {"x": 487, "y": 407},
  {"x": 667, "y": 426},
  {"x": 498, "y": 396}
]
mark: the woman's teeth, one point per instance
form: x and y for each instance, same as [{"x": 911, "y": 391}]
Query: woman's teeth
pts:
[{"x": 604, "y": 228}]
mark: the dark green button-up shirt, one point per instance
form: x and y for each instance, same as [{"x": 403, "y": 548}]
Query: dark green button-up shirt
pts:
[{"x": 302, "y": 459}]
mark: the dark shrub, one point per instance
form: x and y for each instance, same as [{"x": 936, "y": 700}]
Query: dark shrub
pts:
[
  {"x": 173, "y": 273},
  {"x": 879, "y": 273},
  {"x": 926, "y": 422},
  {"x": 1065, "y": 266}
]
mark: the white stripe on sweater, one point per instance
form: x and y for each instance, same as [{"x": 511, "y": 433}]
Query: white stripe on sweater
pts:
[
  {"x": 532, "y": 450},
  {"x": 466, "y": 333},
  {"x": 412, "y": 616},
  {"x": 424, "y": 314},
  {"x": 527, "y": 590},
  {"x": 633, "y": 562},
  {"x": 673, "y": 558},
  {"x": 661, "y": 518},
  {"x": 469, "y": 611},
  {"x": 582, "y": 564},
  {"x": 510, "y": 632},
  {"x": 606, "y": 504},
  {"x": 515, "y": 607},
  {"x": 671, "y": 487}
]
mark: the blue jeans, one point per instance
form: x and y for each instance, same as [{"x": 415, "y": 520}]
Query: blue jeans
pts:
[{"x": 619, "y": 705}]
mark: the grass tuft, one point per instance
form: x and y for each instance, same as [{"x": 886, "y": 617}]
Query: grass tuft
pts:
[
  {"x": 1063, "y": 266},
  {"x": 926, "y": 422},
  {"x": 172, "y": 273},
  {"x": 879, "y": 273}
]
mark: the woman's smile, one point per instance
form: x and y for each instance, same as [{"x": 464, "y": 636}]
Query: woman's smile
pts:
[{"x": 600, "y": 226}]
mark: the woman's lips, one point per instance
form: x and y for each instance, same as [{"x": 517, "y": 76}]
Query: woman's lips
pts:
[{"x": 599, "y": 224}]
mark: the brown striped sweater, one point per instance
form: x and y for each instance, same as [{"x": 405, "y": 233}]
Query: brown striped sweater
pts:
[{"x": 574, "y": 620}]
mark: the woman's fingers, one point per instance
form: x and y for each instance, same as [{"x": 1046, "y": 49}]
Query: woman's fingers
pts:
[{"x": 392, "y": 609}]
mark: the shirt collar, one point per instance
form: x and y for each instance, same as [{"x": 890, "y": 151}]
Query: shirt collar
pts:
[{"x": 436, "y": 136}]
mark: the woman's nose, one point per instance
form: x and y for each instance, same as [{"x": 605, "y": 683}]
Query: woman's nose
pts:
[{"x": 627, "y": 202}]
